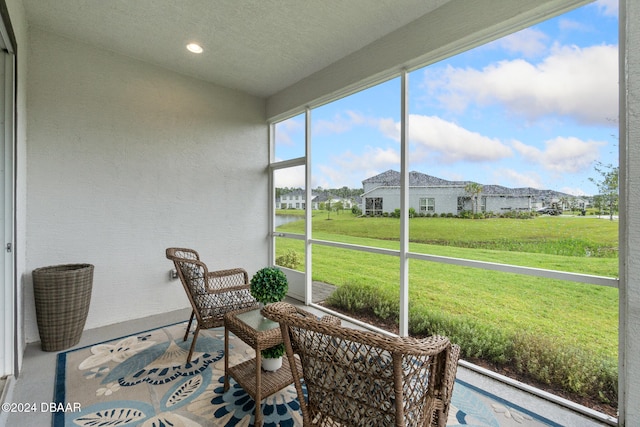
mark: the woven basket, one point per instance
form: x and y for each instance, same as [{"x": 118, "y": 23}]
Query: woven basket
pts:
[{"x": 62, "y": 295}]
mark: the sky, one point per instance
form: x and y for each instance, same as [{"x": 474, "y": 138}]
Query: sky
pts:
[{"x": 538, "y": 108}]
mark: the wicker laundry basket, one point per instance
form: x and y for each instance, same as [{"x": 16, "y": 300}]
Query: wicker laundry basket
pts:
[{"x": 62, "y": 294}]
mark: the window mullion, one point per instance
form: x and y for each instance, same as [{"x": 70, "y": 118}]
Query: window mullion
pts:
[
  {"x": 404, "y": 207},
  {"x": 308, "y": 292}
]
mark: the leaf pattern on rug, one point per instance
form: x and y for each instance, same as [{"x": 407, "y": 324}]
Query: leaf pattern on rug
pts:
[
  {"x": 236, "y": 408},
  {"x": 164, "y": 362},
  {"x": 111, "y": 417},
  {"x": 510, "y": 413},
  {"x": 185, "y": 391},
  {"x": 119, "y": 352}
]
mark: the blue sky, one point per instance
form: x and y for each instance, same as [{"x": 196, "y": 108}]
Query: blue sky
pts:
[{"x": 535, "y": 109}]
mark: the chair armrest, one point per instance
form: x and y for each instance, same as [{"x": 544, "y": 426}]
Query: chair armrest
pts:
[{"x": 232, "y": 279}]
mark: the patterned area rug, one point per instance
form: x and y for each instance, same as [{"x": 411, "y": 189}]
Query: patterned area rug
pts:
[{"x": 143, "y": 380}]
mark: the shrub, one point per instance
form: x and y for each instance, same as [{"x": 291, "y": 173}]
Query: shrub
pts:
[
  {"x": 552, "y": 361},
  {"x": 364, "y": 299},
  {"x": 290, "y": 259},
  {"x": 474, "y": 339},
  {"x": 465, "y": 214}
]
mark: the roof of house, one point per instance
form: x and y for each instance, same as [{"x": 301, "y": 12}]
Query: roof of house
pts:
[{"x": 391, "y": 178}]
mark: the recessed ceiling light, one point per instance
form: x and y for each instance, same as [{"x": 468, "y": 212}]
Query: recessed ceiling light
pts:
[{"x": 194, "y": 47}]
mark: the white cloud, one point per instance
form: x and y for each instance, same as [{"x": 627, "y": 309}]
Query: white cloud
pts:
[
  {"x": 340, "y": 123},
  {"x": 512, "y": 178},
  {"x": 350, "y": 169},
  {"x": 571, "y": 25},
  {"x": 373, "y": 158},
  {"x": 574, "y": 191},
  {"x": 290, "y": 177},
  {"x": 389, "y": 128},
  {"x": 286, "y": 128},
  {"x": 562, "y": 155},
  {"x": 578, "y": 82},
  {"x": 446, "y": 142},
  {"x": 528, "y": 42},
  {"x": 608, "y": 7}
]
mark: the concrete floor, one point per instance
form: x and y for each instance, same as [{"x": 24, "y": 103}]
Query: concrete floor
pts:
[{"x": 36, "y": 382}]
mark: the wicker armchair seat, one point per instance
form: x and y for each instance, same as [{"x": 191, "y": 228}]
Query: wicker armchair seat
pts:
[{"x": 361, "y": 378}]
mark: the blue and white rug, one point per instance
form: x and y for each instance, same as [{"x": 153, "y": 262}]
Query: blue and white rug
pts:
[{"x": 143, "y": 380}]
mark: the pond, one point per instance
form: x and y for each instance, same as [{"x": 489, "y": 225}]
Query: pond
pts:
[{"x": 285, "y": 219}]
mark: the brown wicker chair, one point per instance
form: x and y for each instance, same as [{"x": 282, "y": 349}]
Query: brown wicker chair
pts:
[
  {"x": 211, "y": 294},
  {"x": 361, "y": 378}
]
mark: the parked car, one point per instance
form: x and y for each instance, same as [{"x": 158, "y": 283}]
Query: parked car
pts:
[{"x": 549, "y": 210}]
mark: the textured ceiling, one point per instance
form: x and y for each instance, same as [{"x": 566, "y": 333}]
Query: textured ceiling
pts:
[{"x": 257, "y": 46}]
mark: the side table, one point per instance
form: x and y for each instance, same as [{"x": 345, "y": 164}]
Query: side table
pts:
[{"x": 260, "y": 333}]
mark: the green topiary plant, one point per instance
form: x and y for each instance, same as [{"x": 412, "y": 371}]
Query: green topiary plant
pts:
[
  {"x": 268, "y": 285},
  {"x": 273, "y": 352}
]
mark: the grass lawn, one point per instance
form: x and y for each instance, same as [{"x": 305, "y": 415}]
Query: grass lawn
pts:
[{"x": 574, "y": 313}]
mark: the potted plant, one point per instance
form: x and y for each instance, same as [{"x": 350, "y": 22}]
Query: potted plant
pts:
[
  {"x": 269, "y": 285},
  {"x": 272, "y": 357}
]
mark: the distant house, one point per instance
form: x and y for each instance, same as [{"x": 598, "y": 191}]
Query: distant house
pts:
[
  {"x": 296, "y": 200},
  {"x": 334, "y": 201},
  {"x": 429, "y": 194}
]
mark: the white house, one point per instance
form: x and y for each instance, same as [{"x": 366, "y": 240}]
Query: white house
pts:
[
  {"x": 429, "y": 194},
  {"x": 334, "y": 201},
  {"x": 296, "y": 200}
]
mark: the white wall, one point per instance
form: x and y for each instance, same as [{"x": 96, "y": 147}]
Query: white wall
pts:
[
  {"x": 126, "y": 159},
  {"x": 501, "y": 204},
  {"x": 446, "y": 199}
]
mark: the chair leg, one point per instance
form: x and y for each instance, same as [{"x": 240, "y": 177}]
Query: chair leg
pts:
[
  {"x": 186, "y": 334},
  {"x": 193, "y": 343}
]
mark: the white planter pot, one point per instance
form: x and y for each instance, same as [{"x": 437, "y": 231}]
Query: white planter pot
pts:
[{"x": 271, "y": 364}]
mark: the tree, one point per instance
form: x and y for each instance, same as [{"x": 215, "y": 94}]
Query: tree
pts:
[
  {"x": 474, "y": 189},
  {"x": 328, "y": 207},
  {"x": 564, "y": 203},
  {"x": 607, "y": 186}
]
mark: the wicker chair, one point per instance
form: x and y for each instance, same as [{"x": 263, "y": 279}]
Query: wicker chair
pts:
[
  {"x": 361, "y": 378},
  {"x": 211, "y": 294}
]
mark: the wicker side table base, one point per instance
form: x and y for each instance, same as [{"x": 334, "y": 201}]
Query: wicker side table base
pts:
[{"x": 259, "y": 333}]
